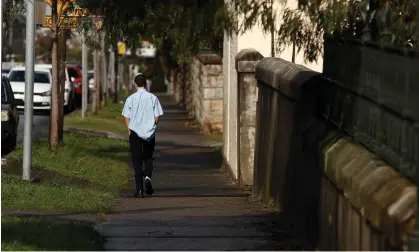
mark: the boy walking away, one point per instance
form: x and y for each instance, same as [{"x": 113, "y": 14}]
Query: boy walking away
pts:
[{"x": 142, "y": 111}]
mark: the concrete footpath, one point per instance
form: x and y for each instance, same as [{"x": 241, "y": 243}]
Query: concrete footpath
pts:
[{"x": 195, "y": 206}]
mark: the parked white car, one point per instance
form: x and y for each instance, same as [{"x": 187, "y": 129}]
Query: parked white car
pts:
[
  {"x": 42, "y": 87},
  {"x": 69, "y": 92},
  {"x": 91, "y": 80},
  {"x": 5, "y": 72}
]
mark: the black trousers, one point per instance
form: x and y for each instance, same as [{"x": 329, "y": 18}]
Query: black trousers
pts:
[{"x": 141, "y": 152}]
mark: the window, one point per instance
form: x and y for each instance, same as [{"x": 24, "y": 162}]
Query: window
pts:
[
  {"x": 41, "y": 77},
  {"x": 19, "y": 76},
  {"x": 89, "y": 76}
]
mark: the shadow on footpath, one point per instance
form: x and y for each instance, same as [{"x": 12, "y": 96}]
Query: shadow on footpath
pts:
[
  {"x": 46, "y": 233},
  {"x": 264, "y": 232}
]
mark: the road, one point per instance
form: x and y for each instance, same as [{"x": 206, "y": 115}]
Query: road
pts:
[{"x": 40, "y": 127}]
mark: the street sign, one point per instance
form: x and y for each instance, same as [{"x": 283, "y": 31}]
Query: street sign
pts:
[
  {"x": 65, "y": 22},
  {"x": 121, "y": 48},
  {"x": 62, "y": 5},
  {"x": 77, "y": 12}
]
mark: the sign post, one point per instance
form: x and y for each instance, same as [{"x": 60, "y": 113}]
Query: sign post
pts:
[{"x": 29, "y": 82}]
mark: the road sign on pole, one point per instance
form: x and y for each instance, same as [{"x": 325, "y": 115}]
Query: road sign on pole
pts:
[
  {"x": 77, "y": 12},
  {"x": 29, "y": 81},
  {"x": 64, "y": 23},
  {"x": 62, "y": 5}
]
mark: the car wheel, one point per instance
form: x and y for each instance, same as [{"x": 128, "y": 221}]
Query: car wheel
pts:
[
  {"x": 14, "y": 141},
  {"x": 10, "y": 145},
  {"x": 71, "y": 104}
]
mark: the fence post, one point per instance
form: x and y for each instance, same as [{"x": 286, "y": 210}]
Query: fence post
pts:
[{"x": 246, "y": 61}]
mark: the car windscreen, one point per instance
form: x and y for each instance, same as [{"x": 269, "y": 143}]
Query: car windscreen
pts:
[
  {"x": 3, "y": 93},
  {"x": 19, "y": 76}
]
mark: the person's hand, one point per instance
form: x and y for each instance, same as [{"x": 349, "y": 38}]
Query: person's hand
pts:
[{"x": 129, "y": 132}]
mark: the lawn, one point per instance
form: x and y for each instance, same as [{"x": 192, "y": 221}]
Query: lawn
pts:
[
  {"x": 41, "y": 234},
  {"x": 108, "y": 119},
  {"x": 83, "y": 176}
]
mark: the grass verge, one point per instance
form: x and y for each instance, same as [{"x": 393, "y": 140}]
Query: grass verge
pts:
[
  {"x": 83, "y": 176},
  {"x": 40, "y": 234},
  {"x": 108, "y": 119}
]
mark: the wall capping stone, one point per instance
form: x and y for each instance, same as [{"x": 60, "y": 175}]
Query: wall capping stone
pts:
[
  {"x": 285, "y": 76},
  {"x": 247, "y": 59},
  {"x": 385, "y": 198},
  {"x": 210, "y": 59}
]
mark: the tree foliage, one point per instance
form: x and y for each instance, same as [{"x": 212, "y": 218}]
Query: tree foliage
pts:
[
  {"x": 179, "y": 28},
  {"x": 11, "y": 11},
  {"x": 389, "y": 21}
]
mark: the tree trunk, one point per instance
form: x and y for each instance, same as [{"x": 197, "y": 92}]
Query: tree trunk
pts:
[
  {"x": 104, "y": 72},
  {"x": 99, "y": 75},
  {"x": 96, "y": 80},
  {"x": 54, "y": 118},
  {"x": 63, "y": 49},
  {"x": 115, "y": 95},
  {"x": 126, "y": 77}
]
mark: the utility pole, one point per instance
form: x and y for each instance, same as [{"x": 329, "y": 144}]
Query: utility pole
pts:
[
  {"x": 29, "y": 82},
  {"x": 85, "y": 80}
]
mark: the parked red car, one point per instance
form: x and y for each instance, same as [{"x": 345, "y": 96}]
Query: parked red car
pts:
[{"x": 75, "y": 74}]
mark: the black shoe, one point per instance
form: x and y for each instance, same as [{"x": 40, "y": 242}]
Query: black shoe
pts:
[{"x": 148, "y": 187}]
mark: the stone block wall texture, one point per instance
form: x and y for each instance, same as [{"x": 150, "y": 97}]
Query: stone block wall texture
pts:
[
  {"x": 209, "y": 92},
  {"x": 341, "y": 155},
  {"x": 199, "y": 90},
  {"x": 179, "y": 85},
  {"x": 246, "y": 61}
]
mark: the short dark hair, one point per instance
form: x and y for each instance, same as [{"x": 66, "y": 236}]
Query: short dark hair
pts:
[{"x": 140, "y": 80}]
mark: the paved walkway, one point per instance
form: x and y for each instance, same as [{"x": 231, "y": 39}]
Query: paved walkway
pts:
[{"x": 195, "y": 205}]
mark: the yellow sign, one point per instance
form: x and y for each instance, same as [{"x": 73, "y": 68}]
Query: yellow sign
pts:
[
  {"x": 77, "y": 12},
  {"x": 62, "y": 5},
  {"x": 65, "y": 22},
  {"x": 121, "y": 48}
]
